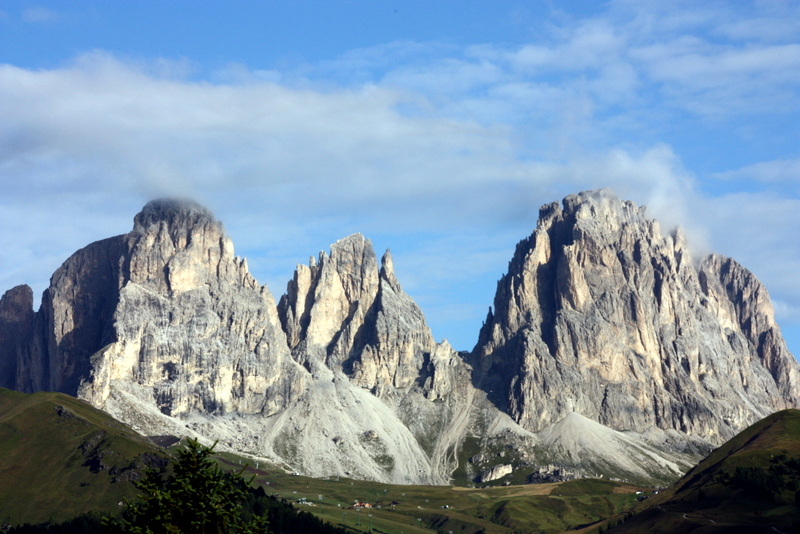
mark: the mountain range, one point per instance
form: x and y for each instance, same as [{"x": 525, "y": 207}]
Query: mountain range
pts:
[{"x": 609, "y": 351}]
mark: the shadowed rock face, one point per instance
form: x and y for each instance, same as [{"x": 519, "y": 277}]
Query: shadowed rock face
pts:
[
  {"x": 76, "y": 314},
  {"x": 16, "y": 330},
  {"x": 50, "y": 350},
  {"x": 601, "y": 315}
]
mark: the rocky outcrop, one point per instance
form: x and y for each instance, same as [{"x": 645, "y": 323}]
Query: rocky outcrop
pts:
[
  {"x": 76, "y": 317},
  {"x": 601, "y": 315},
  {"x": 16, "y": 332},
  {"x": 743, "y": 307},
  {"x": 191, "y": 323},
  {"x": 346, "y": 314},
  {"x": 350, "y": 323},
  {"x": 167, "y": 308},
  {"x": 495, "y": 473},
  {"x": 165, "y": 329}
]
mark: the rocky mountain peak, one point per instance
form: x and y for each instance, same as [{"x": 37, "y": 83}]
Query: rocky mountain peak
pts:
[
  {"x": 353, "y": 260},
  {"x": 742, "y": 304},
  {"x": 602, "y": 315},
  {"x": 16, "y": 327},
  {"x": 325, "y": 296},
  {"x": 15, "y": 302},
  {"x": 356, "y": 319},
  {"x": 174, "y": 213},
  {"x": 176, "y": 245},
  {"x": 387, "y": 271},
  {"x": 164, "y": 316}
]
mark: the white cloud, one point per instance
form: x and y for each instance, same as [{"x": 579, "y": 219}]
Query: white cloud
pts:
[
  {"x": 762, "y": 29},
  {"x": 740, "y": 81},
  {"x": 118, "y": 127},
  {"x": 769, "y": 21},
  {"x": 784, "y": 171},
  {"x": 638, "y": 65},
  {"x": 39, "y": 14}
]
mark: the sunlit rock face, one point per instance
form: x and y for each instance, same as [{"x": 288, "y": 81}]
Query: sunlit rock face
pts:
[
  {"x": 165, "y": 329},
  {"x": 345, "y": 313},
  {"x": 169, "y": 309},
  {"x": 600, "y": 314},
  {"x": 349, "y": 322}
]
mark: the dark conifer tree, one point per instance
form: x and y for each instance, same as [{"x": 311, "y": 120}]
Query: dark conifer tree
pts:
[{"x": 196, "y": 498}]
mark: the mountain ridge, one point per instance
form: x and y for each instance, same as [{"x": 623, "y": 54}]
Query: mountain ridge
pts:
[{"x": 599, "y": 316}]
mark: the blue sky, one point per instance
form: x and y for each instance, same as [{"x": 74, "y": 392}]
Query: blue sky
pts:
[{"x": 435, "y": 128}]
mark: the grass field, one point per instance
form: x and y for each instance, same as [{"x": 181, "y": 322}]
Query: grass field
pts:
[
  {"x": 59, "y": 457},
  {"x": 545, "y": 508}
]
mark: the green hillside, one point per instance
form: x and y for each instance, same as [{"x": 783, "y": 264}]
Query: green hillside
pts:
[
  {"x": 59, "y": 457},
  {"x": 542, "y": 508},
  {"x": 749, "y": 484}
]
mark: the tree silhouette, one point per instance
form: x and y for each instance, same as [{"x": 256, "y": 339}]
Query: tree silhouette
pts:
[{"x": 196, "y": 498}]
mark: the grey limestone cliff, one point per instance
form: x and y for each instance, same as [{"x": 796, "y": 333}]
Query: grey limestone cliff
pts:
[
  {"x": 345, "y": 313},
  {"x": 16, "y": 332},
  {"x": 191, "y": 323},
  {"x": 165, "y": 329},
  {"x": 346, "y": 317},
  {"x": 601, "y": 315},
  {"x": 166, "y": 309}
]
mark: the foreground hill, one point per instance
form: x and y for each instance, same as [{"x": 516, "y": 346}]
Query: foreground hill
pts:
[
  {"x": 749, "y": 484},
  {"x": 609, "y": 352},
  {"x": 60, "y": 457}
]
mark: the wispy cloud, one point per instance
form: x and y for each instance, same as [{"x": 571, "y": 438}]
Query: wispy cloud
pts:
[
  {"x": 784, "y": 171},
  {"x": 39, "y": 14},
  {"x": 639, "y": 68}
]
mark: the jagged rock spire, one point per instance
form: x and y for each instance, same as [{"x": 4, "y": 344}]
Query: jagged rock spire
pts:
[
  {"x": 355, "y": 319},
  {"x": 167, "y": 310}
]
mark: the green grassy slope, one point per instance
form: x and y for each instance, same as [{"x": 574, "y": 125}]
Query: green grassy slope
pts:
[
  {"x": 749, "y": 484},
  {"x": 60, "y": 457},
  {"x": 545, "y": 508}
]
